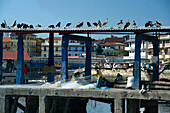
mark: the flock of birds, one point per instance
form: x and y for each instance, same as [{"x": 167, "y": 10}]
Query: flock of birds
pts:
[{"x": 80, "y": 24}]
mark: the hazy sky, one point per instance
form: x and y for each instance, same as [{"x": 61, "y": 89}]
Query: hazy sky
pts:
[{"x": 46, "y": 12}]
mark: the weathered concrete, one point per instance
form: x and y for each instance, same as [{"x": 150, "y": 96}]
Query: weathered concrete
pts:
[
  {"x": 41, "y": 104},
  {"x": 118, "y": 106},
  {"x": 2, "y": 103}
]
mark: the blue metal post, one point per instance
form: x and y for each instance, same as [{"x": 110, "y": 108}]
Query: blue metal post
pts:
[
  {"x": 50, "y": 77},
  {"x": 1, "y": 54},
  {"x": 137, "y": 73},
  {"x": 88, "y": 58},
  {"x": 64, "y": 69},
  {"x": 20, "y": 61},
  {"x": 156, "y": 65}
]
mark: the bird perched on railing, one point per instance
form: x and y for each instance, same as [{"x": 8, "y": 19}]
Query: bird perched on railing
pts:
[
  {"x": 58, "y": 25},
  {"x": 95, "y": 24},
  {"x": 105, "y": 23},
  {"x": 134, "y": 24},
  {"x": 68, "y": 24},
  {"x": 19, "y": 25},
  {"x": 31, "y": 26},
  {"x": 127, "y": 24},
  {"x": 3, "y": 25},
  {"x": 14, "y": 24},
  {"x": 25, "y": 26},
  {"x": 148, "y": 24},
  {"x": 79, "y": 25},
  {"x": 88, "y": 24},
  {"x": 120, "y": 24},
  {"x": 38, "y": 25},
  {"x": 99, "y": 24},
  {"x": 51, "y": 26},
  {"x": 157, "y": 24}
]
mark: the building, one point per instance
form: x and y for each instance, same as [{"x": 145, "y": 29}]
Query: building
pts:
[
  {"x": 57, "y": 47},
  {"x": 29, "y": 43},
  {"x": 75, "y": 48},
  {"x": 111, "y": 45},
  {"x": 130, "y": 47},
  {"x": 38, "y": 46},
  {"x": 164, "y": 46},
  {"x": 6, "y": 43}
]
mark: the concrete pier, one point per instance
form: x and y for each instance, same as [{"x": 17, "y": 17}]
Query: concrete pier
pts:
[{"x": 68, "y": 99}]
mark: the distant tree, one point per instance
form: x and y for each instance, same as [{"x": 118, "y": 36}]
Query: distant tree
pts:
[
  {"x": 120, "y": 52},
  {"x": 99, "y": 50}
]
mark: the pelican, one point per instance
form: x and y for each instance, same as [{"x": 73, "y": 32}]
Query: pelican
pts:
[
  {"x": 134, "y": 24},
  {"x": 105, "y": 23},
  {"x": 38, "y": 25},
  {"x": 157, "y": 24},
  {"x": 95, "y": 24},
  {"x": 68, "y": 24},
  {"x": 14, "y": 24},
  {"x": 99, "y": 24},
  {"x": 88, "y": 24},
  {"x": 58, "y": 25},
  {"x": 120, "y": 23},
  {"x": 127, "y": 24},
  {"x": 51, "y": 26}
]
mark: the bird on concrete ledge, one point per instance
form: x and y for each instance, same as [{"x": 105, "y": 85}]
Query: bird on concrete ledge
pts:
[
  {"x": 51, "y": 26},
  {"x": 14, "y": 24},
  {"x": 157, "y": 24},
  {"x": 88, "y": 24},
  {"x": 134, "y": 24},
  {"x": 38, "y": 25},
  {"x": 95, "y": 24},
  {"x": 68, "y": 24},
  {"x": 58, "y": 25},
  {"x": 127, "y": 24},
  {"x": 99, "y": 24},
  {"x": 120, "y": 24},
  {"x": 105, "y": 23}
]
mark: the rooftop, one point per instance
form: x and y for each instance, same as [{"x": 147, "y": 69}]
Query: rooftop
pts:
[{"x": 12, "y": 55}]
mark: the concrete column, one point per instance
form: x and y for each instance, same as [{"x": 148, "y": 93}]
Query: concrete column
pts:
[
  {"x": 64, "y": 69},
  {"x": 156, "y": 65},
  {"x": 88, "y": 58},
  {"x": 2, "y": 103},
  {"x": 137, "y": 71},
  {"x": 20, "y": 61},
  {"x": 1, "y": 55},
  {"x": 118, "y": 106},
  {"x": 50, "y": 77},
  {"x": 41, "y": 104}
]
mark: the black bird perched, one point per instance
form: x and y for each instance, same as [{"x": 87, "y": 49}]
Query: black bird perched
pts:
[
  {"x": 68, "y": 24},
  {"x": 3, "y": 25},
  {"x": 95, "y": 24},
  {"x": 134, "y": 24},
  {"x": 120, "y": 23},
  {"x": 105, "y": 23},
  {"x": 25, "y": 26},
  {"x": 14, "y": 24},
  {"x": 157, "y": 24},
  {"x": 31, "y": 26},
  {"x": 88, "y": 24},
  {"x": 99, "y": 24},
  {"x": 149, "y": 24},
  {"x": 127, "y": 24},
  {"x": 19, "y": 25},
  {"x": 58, "y": 25},
  {"x": 51, "y": 26}
]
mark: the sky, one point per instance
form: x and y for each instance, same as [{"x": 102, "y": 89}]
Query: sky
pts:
[{"x": 47, "y": 12}]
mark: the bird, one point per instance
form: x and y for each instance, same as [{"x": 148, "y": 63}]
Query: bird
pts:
[
  {"x": 134, "y": 24},
  {"x": 38, "y": 25},
  {"x": 58, "y": 25},
  {"x": 127, "y": 24},
  {"x": 148, "y": 24},
  {"x": 157, "y": 24},
  {"x": 19, "y": 25},
  {"x": 120, "y": 23},
  {"x": 68, "y": 24},
  {"x": 79, "y": 25},
  {"x": 88, "y": 24},
  {"x": 14, "y": 24},
  {"x": 31, "y": 26},
  {"x": 105, "y": 23},
  {"x": 95, "y": 24},
  {"x": 25, "y": 26},
  {"x": 99, "y": 24},
  {"x": 3, "y": 25},
  {"x": 51, "y": 26}
]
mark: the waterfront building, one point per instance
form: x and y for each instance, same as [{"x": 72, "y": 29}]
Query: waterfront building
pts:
[
  {"x": 29, "y": 43},
  {"x": 164, "y": 46},
  {"x": 6, "y": 43},
  {"x": 39, "y": 41},
  {"x": 130, "y": 47}
]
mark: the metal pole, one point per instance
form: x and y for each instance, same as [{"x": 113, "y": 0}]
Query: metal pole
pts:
[
  {"x": 1, "y": 55},
  {"x": 20, "y": 61}
]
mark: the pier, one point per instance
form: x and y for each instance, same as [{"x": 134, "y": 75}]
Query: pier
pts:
[{"x": 43, "y": 97}]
